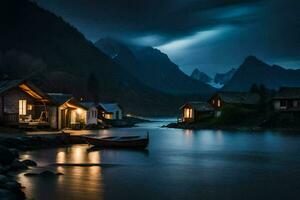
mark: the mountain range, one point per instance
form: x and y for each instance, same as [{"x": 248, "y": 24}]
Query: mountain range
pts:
[
  {"x": 254, "y": 71},
  {"x": 38, "y": 44},
  {"x": 153, "y": 68},
  {"x": 218, "y": 81}
]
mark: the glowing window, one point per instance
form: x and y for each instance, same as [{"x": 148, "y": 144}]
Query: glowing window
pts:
[
  {"x": 22, "y": 107},
  {"x": 29, "y": 107},
  {"x": 188, "y": 113},
  {"x": 108, "y": 116},
  {"x": 219, "y": 103}
]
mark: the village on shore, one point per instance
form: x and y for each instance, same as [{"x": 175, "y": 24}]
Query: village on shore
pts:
[
  {"x": 26, "y": 107},
  {"x": 258, "y": 109}
]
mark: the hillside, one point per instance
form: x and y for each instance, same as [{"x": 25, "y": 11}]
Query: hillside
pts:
[
  {"x": 37, "y": 43},
  {"x": 153, "y": 68},
  {"x": 256, "y": 71}
]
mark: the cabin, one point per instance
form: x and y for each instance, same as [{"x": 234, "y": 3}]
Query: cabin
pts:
[
  {"x": 287, "y": 99},
  {"x": 24, "y": 105},
  {"x": 72, "y": 114},
  {"x": 221, "y": 99},
  {"x": 91, "y": 114},
  {"x": 195, "y": 111},
  {"x": 110, "y": 111}
]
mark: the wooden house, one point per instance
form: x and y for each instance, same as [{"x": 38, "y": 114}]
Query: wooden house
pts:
[
  {"x": 287, "y": 99},
  {"x": 72, "y": 113},
  {"x": 91, "y": 114},
  {"x": 221, "y": 99},
  {"x": 195, "y": 111},
  {"x": 24, "y": 105},
  {"x": 110, "y": 111}
]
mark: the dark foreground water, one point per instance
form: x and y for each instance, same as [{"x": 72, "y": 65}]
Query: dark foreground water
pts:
[{"x": 180, "y": 164}]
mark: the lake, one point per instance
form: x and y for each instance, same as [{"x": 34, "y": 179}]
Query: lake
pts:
[{"x": 179, "y": 164}]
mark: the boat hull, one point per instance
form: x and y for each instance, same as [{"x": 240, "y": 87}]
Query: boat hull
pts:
[{"x": 137, "y": 143}]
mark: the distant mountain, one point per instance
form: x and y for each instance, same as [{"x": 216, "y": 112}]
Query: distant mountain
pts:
[
  {"x": 37, "y": 43},
  {"x": 223, "y": 78},
  {"x": 216, "y": 82},
  {"x": 200, "y": 76},
  {"x": 256, "y": 71},
  {"x": 153, "y": 68}
]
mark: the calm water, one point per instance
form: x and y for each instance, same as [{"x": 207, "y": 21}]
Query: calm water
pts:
[{"x": 180, "y": 164}]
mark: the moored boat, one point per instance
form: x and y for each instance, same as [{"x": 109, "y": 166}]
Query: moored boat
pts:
[{"x": 137, "y": 142}]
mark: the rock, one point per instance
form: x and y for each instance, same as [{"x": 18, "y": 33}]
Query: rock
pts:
[
  {"x": 13, "y": 186},
  {"x": 3, "y": 180},
  {"x": 31, "y": 174},
  {"x": 47, "y": 173},
  {"x": 7, "y": 195},
  {"x": 15, "y": 152},
  {"x": 6, "y": 156},
  {"x": 29, "y": 163},
  {"x": 17, "y": 165}
]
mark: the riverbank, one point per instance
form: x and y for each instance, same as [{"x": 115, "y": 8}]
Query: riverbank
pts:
[{"x": 204, "y": 126}]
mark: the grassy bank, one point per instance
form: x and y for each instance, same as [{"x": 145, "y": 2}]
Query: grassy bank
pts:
[{"x": 245, "y": 118}]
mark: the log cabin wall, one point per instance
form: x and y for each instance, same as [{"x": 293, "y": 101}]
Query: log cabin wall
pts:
[{"x": 10, "y": 104}]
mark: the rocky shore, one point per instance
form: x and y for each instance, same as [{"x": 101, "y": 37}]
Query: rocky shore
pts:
[{"x": 10, "y": 163}]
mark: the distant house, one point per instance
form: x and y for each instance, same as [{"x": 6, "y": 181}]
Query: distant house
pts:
[
  {"x": 91, "y": 114},
  {"x": 24, "y": 105},
  {"x": 195, "y": 111},
  {"x": 287, "y": 99},
  {"x": 221, "y": 99},
  {"x": 110, "y": 111},
  {"x": 72, "y": 113}
]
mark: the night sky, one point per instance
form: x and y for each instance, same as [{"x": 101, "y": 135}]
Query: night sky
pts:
[{"x": 212, "y": 35}]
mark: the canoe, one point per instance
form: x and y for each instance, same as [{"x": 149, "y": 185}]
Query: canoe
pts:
[{"x": 137, "y": 142}]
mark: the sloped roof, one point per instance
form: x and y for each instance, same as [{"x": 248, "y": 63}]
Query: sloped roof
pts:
[
  {"x": 110, "y": 107},
  {"x": 239, "y": 97},
  {"x": 288, "y": 93},
  {"x": 25, "y": 86},
  {"x": 9, "y": 84},
  {"x": 199, "y": 106},
  {"x": 60, "y": 98},
  {"x": 87, "y": 104}
]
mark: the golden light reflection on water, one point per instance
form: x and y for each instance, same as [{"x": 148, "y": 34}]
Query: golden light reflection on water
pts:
[
  {"x": 78, "y": 155},
  {"x": 78, "y": 182}
]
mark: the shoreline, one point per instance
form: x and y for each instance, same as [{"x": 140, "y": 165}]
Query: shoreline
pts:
[
  {"x": 11, "y": 164},
  {"x": 228, "y": 128}
]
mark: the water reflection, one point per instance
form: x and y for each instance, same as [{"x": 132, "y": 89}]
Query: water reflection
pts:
[
  {"x": 76, "y": 183},
  {"x": 202, "y": 164}
]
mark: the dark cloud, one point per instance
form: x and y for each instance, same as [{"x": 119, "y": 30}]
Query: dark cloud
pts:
[{"x": 212, "y": 35}]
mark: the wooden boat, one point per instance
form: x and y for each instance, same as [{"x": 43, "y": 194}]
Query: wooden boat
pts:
[{"x": 136, "y": 142}]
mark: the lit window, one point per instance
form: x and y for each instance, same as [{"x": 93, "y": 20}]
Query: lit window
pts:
[
  {"x": 213, "y": 101},
  {"x": 219, "y": 103},
  {"x": 22, "y": 107},
  {"x": 188, "y": 113},
  {"x": 29, "y": 107}
]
